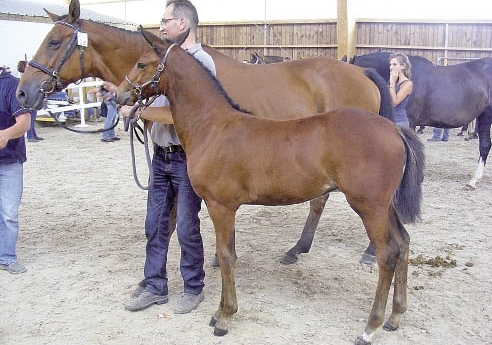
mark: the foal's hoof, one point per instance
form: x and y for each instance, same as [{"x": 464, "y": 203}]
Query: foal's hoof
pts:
[
  {"x": 212, "y": 322},
  {"x": 389, "y": 328},
  {"x": 360, "y": 341},
  {"x": 219, "y": 332},
  {"x": 367, "y": 259},
  {"x": 288, "y": 259}
]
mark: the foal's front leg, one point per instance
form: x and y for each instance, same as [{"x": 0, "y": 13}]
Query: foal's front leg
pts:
[{"x": 223, "y": 219}]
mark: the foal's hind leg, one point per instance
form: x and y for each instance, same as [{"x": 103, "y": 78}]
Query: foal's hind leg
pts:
[
  {"x": 401, "y": 273},
  {"x": 377, "y": 225},
  {"x": 304, "y": 243}
]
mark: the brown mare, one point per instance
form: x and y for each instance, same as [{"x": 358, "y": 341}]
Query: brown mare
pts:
[
  {"x": 253, "y": 160},
  {"x": 288, "y": 90}
]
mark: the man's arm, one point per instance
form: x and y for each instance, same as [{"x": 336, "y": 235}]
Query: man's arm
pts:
[
  {"x": 154, "y": 114},
  {"x": 22, "y": 125}
]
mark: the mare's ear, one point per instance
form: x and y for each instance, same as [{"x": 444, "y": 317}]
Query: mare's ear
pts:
[
  {"x": 54, "y": 17},
  {"x": 181, "y": 38},
  {"x": 344, "y": 58},
  {"x": 73, "y": 11},
  {"x": 352, "y": 59}
]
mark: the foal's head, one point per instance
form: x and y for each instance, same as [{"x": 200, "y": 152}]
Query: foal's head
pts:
[{"x": 143, "y": 80}]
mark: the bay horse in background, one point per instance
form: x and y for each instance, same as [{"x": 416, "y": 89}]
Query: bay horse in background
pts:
[
  {"x": 257, "y": 59},
  {"x": 288, "y": 90},
  {"x": 446, "y": 96},
  {"x": 259, "y": 161}
]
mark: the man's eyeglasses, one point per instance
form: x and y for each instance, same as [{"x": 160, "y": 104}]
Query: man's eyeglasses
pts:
[{"x": 165, "y": 21}]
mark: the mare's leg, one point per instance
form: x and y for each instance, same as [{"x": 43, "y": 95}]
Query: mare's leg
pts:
[
  {"x": 304, "y": 243},
  {"x": 377, "y": 224},
  {"x": 484, "y": 145},
  {"x": 401, "y": 273},
  {"x": 223, "y": 219},
  {"x": 369, "y": 255}
]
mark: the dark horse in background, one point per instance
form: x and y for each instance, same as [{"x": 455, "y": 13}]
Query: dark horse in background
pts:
[
  {"x": 446, "y": 96},
  {"x": 257, "y": 59},
  {"x": 293, "y": 89}
]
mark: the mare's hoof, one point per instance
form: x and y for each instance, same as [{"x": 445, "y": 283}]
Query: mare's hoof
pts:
[
  {"x": 288, "y": 259},
  {"x": 389, "y": 328},
  {"x": 360, "y": 341},
  {"x": 469, "y": 187},
  {"x": 367, "y": 259},
  {"x": 214, "y": 262}
]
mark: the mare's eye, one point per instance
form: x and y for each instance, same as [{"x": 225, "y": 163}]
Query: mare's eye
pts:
[
  {"x": 54, "y": 44},
  {"x": 140, "y": 65}
]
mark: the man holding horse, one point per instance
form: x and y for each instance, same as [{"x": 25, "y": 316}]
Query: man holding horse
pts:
[{"x": 171, "y": 181}]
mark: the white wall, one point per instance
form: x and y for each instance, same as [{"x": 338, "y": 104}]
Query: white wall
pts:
[
  {"x": 150, "y": 11},
  {"x": 18, "y": 39}
]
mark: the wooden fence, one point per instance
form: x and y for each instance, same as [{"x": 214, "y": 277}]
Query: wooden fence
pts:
[
  {"x": 293, "y": 39},
  {"x": 442, "y": 42}
]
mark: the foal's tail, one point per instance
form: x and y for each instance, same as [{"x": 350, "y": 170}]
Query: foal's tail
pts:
[
  {"x": 408, "y": 196},
  {"x": 386, "y": 109}
]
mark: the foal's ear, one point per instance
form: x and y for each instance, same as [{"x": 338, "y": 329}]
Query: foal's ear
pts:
[
  {"x": 152, "y": 39},
  {"x": 149, "y": 37},
  {"x": 181, "y": 37},
  {"x": 73, "y": 11}
]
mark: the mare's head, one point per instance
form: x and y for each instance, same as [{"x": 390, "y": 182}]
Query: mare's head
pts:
[
  {"x": 256, "y": 59},
  {"x": 56, "y": 62},
  {"x": 378, "y": 60},
  {"x": 142, "y": 81}
]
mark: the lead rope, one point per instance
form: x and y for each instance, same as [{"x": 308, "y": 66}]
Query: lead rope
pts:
[{"x": 131, "y": 125}]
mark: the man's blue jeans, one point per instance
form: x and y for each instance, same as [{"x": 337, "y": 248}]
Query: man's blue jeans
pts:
[
  {"x": 171, "y": 180},
  {"x": 11, "y": 184},
  {"x": 437, "y": 133},
  {"x": 109, "y": 121}
]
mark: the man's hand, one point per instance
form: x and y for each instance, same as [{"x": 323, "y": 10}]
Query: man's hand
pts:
[
  {"x": 125, "y": 110},
  {"x": 110, "y": 86}
]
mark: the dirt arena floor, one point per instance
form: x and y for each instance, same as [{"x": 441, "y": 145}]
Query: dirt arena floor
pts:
[{"x": 83, "y": 243}]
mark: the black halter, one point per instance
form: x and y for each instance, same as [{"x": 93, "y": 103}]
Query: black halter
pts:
[
  {"x": 54, "y": 84},
  {"x": 154, "y": 81}
]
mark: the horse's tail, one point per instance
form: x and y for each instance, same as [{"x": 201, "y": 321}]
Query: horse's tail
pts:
[
  {"x": 386, "y": 107},
  {"x": 408, "y": 196}
]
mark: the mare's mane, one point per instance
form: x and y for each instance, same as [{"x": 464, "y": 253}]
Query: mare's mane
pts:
[
  {"x": 64, "y": 18},
  {"x": 216, "y": 82}
]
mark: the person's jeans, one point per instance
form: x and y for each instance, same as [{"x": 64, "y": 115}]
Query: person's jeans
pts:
[
  {"x": 11, "y": 184},
  {"x": 31, "y": 133},
  {"x": 437, "y": 133},
  {"x": 171, "y": 180},
  {"x": 109, "y": 121},
  {"x": 403, "y": 124}
]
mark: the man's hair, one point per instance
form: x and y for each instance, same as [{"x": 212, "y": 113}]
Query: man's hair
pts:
[{"x": 185, "y": 9}]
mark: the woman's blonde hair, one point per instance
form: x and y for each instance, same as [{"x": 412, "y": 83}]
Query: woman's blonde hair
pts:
[{"x": 403, "y": 60}]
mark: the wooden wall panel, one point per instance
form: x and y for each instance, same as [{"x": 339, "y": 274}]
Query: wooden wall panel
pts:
[{"x": 442, "y": 42}]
